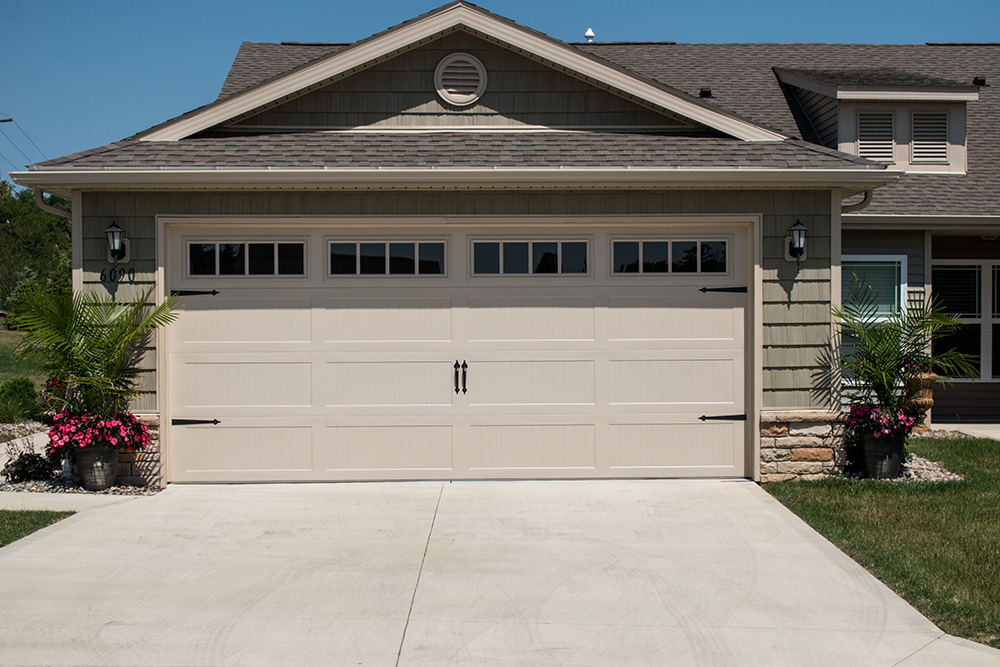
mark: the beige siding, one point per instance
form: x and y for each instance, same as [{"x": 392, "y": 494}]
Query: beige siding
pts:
[
  {"x": 796, "y": 300},
  {"x": 401, "y": 92}
]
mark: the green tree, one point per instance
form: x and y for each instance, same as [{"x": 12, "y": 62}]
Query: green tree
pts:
[{"x": 34, "y": 246}]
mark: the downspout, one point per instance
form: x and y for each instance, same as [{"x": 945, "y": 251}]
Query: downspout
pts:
[
  {"x": 50, "y": 209},
  {"x": 850, "y": 208}
]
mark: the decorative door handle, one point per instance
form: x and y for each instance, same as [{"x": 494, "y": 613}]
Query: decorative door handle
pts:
[
  {"x": 465, "y": 367},
  {"x": 456, "y": 375}
]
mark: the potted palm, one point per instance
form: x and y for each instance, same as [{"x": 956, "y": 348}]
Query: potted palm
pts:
[
  {"x": 884, "y": 358},
  {"x": 92, "y": 347}
]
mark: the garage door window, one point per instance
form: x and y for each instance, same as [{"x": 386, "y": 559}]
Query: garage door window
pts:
[
  {"x": 522, "y": 258},
  {"x": 663, "y": 256},
  {"x": 246, "y": 258},
  {"x": 392, "y": 258}
]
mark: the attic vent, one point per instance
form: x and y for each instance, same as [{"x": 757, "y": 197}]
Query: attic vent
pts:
[
  {"x": 930, "y": 137},
  {"x": 875, "y": 137},
  {"x": 460, "y": 79}
]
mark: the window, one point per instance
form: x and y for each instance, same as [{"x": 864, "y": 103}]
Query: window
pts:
[
  {"x": 392, "y": 258},
  {"x": 911, "y": 136},
  {"x": 660, "y": 256},
  {"x": 884, "y": 274},
  {"x": 514, "y": 258},
  {"x": 960, "y": 288},
  {"x": 246, "y": 258}
]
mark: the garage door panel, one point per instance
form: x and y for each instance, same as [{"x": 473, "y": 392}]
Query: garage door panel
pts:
[
  {"x": 401, "y": 448},
  {"x": 388, "y": 383},
  {"x": 208, "y": 319},
  {"x": 226, "y": 451},
  {"x": 525, "y": 383},
  {"x": 531, "y": 318},
  {"x": 371, "y": 321},
  {"x": 665, "y": 319},
  {"x": 247, "y": 384},
  {"x": 525, "y": 447},
  {"x": 675, "y": 446},
  {"x": 692, "y": 381}
]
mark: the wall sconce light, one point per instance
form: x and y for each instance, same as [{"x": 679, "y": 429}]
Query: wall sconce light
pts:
[
  {"x": 795, "y": 243},
  {"x": 117, "y": 244}
]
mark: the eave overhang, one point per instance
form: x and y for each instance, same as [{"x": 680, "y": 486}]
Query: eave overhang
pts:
[
  {"x": 964, "y": 224},
  {"x": 880, "y": 93},
  {"x": 434, "y": 24},
  {"x": 63, "y": 181}
]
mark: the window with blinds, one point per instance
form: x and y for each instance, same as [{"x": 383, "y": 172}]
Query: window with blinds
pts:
[
  {"x": 883, "y": 276},
  {"x": 930, "y": 137},
  {"x": 875, "y": 135}
]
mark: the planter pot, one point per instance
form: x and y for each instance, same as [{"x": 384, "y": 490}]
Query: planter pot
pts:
[
  {"x": 921, "y": 388},
  {"x": 98, "y": 467},
  {"x": 883, "y": 456}
]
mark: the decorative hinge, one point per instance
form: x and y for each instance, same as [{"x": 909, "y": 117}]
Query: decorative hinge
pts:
[
  {"x": 189, "y": 422},
  {"x": 725, "y": 418},
  {"x": 739, "y": 290},
  {"x": 193, "y": 292}
]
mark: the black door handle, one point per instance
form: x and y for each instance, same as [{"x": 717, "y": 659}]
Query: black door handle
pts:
[
  {"x": 465, "y": 367},
  {"x": 456, "y": 375}
]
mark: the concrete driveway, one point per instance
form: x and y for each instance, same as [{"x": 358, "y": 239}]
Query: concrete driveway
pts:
[{"x": 466, "y": 573}]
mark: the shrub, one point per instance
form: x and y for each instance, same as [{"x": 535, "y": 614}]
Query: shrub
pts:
[
  {"x": 18, "y": 399},
  {"x": 29, "y": 467}
]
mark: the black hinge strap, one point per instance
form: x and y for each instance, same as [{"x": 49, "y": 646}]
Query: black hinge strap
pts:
[
  {"x": 189, "y": 422},
  {"x": 727, "y": 418},
  {"x": 739, "y": 290},
  {"x": 193, "y": 292}
]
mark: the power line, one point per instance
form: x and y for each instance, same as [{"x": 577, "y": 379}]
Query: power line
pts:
[
  {"x": 29, "y": 139},
  {"x": 15, "y": 146},
  {"x": 8, "y": 161}
]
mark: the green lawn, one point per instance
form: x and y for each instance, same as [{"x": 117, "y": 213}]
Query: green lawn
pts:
[
  {"x": 31, "y": 368},
  {"x": 15, "y": 524},
  {"x": 936, "y": 544}
]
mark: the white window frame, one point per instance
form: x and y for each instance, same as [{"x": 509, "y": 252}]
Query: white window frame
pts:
[
  {"x": 987, "y": 318},
  {"x": 670, "y": 273},
  {"x": 530, "y": 241},
  {"x": 901, "y": 260},
  {"x": 245, "y": 241},
  {"x": 385, "y": 241}
]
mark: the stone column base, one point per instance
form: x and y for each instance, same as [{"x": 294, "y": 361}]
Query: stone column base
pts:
[
  {"x": 801, "y": 445},
  {"x": 142, "y": 468}
]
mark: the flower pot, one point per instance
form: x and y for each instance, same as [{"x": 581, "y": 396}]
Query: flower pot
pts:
[
  {"x": 921, "y": 388},
  {"x": 883, "y": 456},
  {"x": 98, "y": 466}
]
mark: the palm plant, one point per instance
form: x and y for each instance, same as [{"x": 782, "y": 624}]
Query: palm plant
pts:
[
  {"x": 92, "y": 345},
  {"x": 880, "y": 352}
]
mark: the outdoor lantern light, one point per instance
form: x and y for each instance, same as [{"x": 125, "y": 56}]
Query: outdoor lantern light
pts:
[
  {"x": 116, "y": 242},
  {"x": 797, "y": 241}
]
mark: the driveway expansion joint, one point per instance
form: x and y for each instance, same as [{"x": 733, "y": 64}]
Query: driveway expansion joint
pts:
[{"x": 416, "y": 584}]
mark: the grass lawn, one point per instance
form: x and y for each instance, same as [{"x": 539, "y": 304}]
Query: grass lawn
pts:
[
  {"x": 15, "y": 524},
  {"x": 935, "y": 544},
  {"x": 31, "y": 368}
]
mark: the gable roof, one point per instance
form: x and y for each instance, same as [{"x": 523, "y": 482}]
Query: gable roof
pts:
[{"x": 460, "y": 15}]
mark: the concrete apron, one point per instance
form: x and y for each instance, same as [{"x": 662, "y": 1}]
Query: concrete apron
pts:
[{"x": 471, "y": 573}]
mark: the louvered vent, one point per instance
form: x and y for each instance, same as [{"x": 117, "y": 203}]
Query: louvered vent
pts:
[
  {"x": 875, "y": 136},
  {"x": 460, "y": 79},
  {"x": 930, "y": 137}
]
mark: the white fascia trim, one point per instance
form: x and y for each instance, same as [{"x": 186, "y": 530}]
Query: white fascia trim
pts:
[
  {"x": 881, "y": 93},
  {"x": 447, "y": 177},
  {"x": 943, "y": 222},
  {"x": 366, "y": 52}
]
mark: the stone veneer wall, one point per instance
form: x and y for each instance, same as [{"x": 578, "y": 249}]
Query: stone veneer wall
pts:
[
  {"x": 142, "y": 468},
  {"x": 801, "y": 445}
]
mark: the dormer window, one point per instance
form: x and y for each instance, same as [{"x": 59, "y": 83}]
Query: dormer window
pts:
[{"x": 911, "y": 136}]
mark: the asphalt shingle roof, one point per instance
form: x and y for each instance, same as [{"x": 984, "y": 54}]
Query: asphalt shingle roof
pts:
[
  {"x": 461, "y": 149},
  {"x": 877, "y": 76}
]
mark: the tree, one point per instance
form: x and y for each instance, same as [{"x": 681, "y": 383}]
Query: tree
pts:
[{"x": 34, "y": 246}]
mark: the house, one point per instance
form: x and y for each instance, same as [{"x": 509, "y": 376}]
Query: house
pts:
[{"x": 463, "y": 249}]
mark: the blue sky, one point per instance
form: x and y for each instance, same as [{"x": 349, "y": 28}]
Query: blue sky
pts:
[{"x": 77, "y": 74}]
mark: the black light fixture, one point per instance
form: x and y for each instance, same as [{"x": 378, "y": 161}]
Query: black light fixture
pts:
[
  {"x": 797, "y": 241},
  {"x": 116, "y": 242}
]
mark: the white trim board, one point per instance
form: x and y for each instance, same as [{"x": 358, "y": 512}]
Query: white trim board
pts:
[{"x": 452, "y": 17}]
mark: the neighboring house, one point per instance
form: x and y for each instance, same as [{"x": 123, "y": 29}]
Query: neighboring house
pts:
[{"x": 460, "y": 249}]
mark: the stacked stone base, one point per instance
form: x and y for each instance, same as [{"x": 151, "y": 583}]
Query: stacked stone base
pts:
[
  {"x": 801, "y": 445},
  {"x": 142, "y": 468}
]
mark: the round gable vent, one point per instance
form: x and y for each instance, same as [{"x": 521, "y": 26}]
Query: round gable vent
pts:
[{"x": 460, "y": 79}]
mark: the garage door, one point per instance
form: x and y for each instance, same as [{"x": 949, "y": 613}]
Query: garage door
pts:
[{"x": 430, "y": 354}]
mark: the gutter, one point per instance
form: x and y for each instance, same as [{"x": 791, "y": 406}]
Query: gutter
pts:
[
  {"x": 200, "y": 178},
  {"x": 850, "y": 208}
]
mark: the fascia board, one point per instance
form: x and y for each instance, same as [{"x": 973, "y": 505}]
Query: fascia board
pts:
[
  {"x": 869, "y": 93},
  {"x": 935, "y": 222},
  {"x": 368, "y": 51},
  {"x": 448, "y": 178},
  {"x": 805, "y": 83}
]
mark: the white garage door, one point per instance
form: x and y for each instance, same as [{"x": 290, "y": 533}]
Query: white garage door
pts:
[{"x": 432, "y": 354}]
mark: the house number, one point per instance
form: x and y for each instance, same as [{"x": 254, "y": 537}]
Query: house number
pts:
[{"x": 117, "y": 275}]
